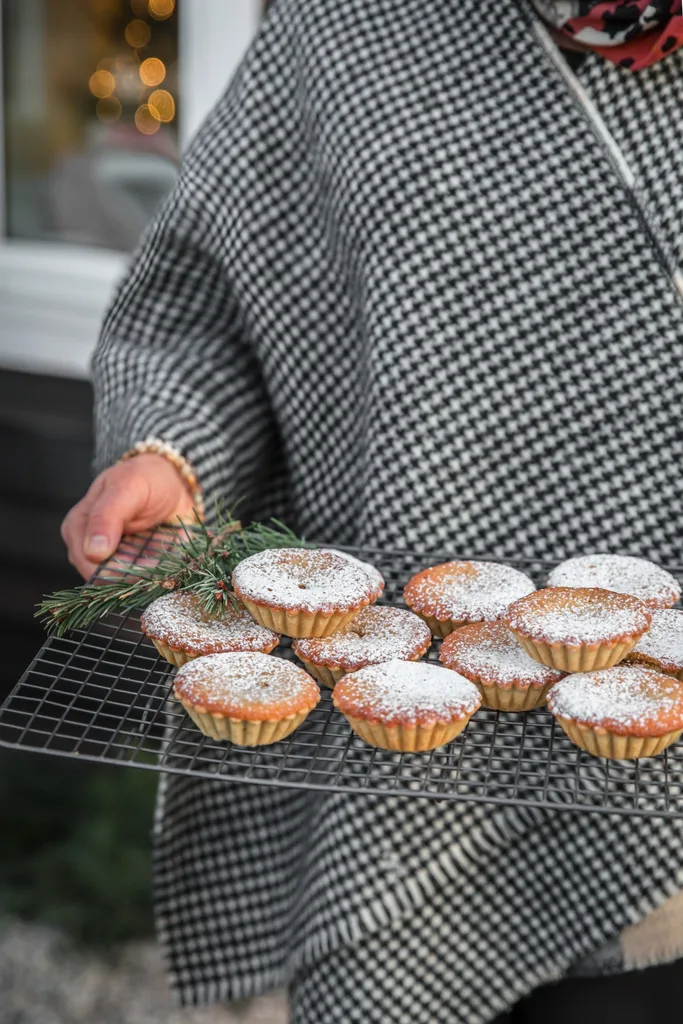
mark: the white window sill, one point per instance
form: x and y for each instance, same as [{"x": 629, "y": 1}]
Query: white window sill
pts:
[{"x": 52, "y": 298}]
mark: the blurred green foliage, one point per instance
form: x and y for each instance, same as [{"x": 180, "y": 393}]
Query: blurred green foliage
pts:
[{"x": 75, "y": 846}]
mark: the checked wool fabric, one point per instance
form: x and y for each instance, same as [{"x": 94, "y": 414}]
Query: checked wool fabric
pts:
[{"x": 400, "y": 297}]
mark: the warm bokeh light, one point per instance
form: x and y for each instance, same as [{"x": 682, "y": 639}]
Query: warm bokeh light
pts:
[
  {"x": 161, "y": 9},
  {"x": 107, "y": 64},
  {"x": 152, "y": 71},
  {"x": 137, "y": 33},
  {"x": 102, "y": 84},
  {"x": 108, "y": 109},
  {"x": 146, "y": 120},
  {"x": 162, "y": 104}
]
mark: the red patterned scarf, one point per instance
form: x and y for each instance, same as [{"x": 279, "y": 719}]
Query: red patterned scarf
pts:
[{"x": 632, "y": 33}]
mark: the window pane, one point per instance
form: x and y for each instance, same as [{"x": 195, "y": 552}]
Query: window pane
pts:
[{"x": 90, "y": 96}]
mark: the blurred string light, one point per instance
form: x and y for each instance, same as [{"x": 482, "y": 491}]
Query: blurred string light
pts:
[
  {"x": 120, "y": 73},
  {"x": 102, "y": 83},
  {"x": 146, "y": 120},
  {"x": 137, "y": 33},
  {"x": 161, "y": 9},
  {"x": 152, "y": 71},
  {"x": 108, "y": 109},
  {"x": 162, "y": 105}
]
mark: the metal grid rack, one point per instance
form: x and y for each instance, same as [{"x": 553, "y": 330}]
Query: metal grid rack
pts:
[{"x": 104, "y": 695}]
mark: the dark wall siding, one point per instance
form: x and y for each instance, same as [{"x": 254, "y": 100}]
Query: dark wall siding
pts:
[{"x": 45, "y": 453}]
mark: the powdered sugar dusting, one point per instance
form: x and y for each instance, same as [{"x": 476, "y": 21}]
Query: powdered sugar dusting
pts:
[
  {"x": 378, "y": 633},
  {"x": 489, "y": 653},
  {"x": 466, "y": 590},
  {"x": 374, "y": 574},
  {"x": 627, "y": 700},
  {"x": 311, "y": 580},
  {"x": 177, "y": 620},
  {"x": 663, "y": 642},
  {"x": 621, "y": 573},
  {"x": 406, "y": 692},
  {"x": 572, "y": 615},
  {"x": 249, "y": 686}
]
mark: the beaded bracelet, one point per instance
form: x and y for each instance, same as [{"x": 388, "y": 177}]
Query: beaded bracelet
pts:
[{"x": 152, "y": 446}]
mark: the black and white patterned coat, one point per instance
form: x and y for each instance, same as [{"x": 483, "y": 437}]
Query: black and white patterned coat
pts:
[{"x": 402, "y": 295}]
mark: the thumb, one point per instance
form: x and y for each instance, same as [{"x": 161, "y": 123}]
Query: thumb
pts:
[{"x": 108, "y": 517}]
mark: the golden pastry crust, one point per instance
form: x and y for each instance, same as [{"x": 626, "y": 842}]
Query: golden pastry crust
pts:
[
  {"x": 246, "y": 686},
  {"x": 303, "y": 592},
  {"x": 491, "y": 656},
  {"x": 628, "y": 700},
  {"x": 406, "y": 739},
  {"x": 578, "y": 629},
  {"x": 623, "y": 712},
  {"x": 601, "y": 743},
  {"x": 249, "y": 699},
  {"x": 661, "y": 648},
  {"x": 455, "y": 593},
  {"x": 406, "y": 693},
  {"x": 624, "y": 574},
  {"x": 181, "y": 631},
  {"x": 406, "y": 705},
  {"x": 376, "y": 634}
]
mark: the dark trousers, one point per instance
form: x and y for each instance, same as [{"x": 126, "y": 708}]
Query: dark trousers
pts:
[{"x": 651, "y": 996}]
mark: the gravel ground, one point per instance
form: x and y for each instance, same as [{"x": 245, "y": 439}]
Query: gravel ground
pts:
[{"x": 44, "y": 980}]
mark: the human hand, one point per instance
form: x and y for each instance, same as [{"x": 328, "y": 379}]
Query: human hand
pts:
[{"x": 133, "y": 495}]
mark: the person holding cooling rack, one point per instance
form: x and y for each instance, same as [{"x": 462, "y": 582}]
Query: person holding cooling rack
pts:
[{"x": 418, "y": 285}]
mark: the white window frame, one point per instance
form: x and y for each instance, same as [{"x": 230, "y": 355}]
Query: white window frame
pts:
[{"x": 52, "y": 295}]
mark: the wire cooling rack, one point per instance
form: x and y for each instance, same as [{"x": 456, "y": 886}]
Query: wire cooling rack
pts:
[{"x": 104, "y": 695}]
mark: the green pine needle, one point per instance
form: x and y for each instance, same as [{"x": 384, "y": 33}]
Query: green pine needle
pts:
[{"x": 191, "y": 558}]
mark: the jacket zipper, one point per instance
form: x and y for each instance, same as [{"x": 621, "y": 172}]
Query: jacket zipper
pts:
[{"x": 610, "y": 146}]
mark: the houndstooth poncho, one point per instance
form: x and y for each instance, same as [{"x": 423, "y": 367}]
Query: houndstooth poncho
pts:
[{"x": 408, "y": 292}]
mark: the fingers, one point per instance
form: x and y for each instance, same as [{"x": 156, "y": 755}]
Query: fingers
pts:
[
  {"x": 130, "y": 496},
  {"x": 93, "y": 528},
  {"x": 73, "y": 532},
  {"x": 112, "y": 510}
]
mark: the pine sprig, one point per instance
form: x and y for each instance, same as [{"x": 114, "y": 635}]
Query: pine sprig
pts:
[{"x": 192, "y": 558}]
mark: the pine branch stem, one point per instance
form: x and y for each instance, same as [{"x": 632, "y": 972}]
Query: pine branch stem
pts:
[{"x": 198, "y": 561}]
